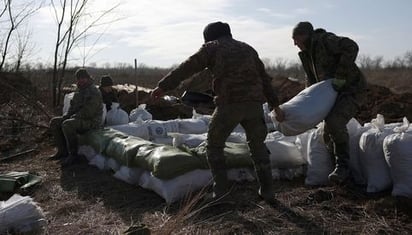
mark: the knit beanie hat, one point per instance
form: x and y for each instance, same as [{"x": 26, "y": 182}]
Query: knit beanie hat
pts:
[
  {"x": 216, "y": 30},
  {"x": 106, "y": 80},
  {"x": 303, "y": 28}
]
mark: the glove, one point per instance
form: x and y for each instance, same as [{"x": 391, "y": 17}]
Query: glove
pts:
[{"x": 338, "y": 84}]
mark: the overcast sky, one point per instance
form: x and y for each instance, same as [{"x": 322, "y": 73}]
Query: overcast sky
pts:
[{"x": 165, "y": 32}]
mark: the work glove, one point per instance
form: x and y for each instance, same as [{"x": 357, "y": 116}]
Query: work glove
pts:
[{"x": 338, "y": 84}]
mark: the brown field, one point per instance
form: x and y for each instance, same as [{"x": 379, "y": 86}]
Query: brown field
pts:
[{"x": 84, "y": 200}]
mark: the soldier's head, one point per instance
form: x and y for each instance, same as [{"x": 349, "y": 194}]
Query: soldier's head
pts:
[
  {"x": 106, "y": 80},
  {"x": 216, "y": 30},
  {"x": 301, "y": 34},
  {"x": 83, "y": 78}
]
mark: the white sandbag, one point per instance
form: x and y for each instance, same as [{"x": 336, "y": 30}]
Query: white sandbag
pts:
[
  {"x": 21, "y": 215},
  {"x": 66, "y": 105},
  {"x": 87, "y": 151},
  {"x": 355, "y": 130},
  {"x": 163, "y": 140},
  {"x": 302, "y": 143},
  {"x": 237, "y": 137},
  {"x": 194, "y": 140},
  {"x": 178, "y": 187},
  {"x": 307, "y": 109},
  {"x": 190, "y": 140},
  {"x": 319, "y": 160},
  {"x": 268, "y": 119},
  {"x": 129, "y": 175},
  {"x": 192, "y": 126},
  {"x": 203, "y": 117},
  {"x": 284, "y": 153},
  {"x": 100, "y": 162},
  {"x": 66, "y": 102},
  {"x": 398, "y": 154},
  {"x": 134, "y": 129},
  {"x": 159, "y": 128},
  {"x": 140, "y": 113},
  {"x": 112, "y": 164},
  {"x": 372, "y": 158},
  {"x": 116, "y": 116}
]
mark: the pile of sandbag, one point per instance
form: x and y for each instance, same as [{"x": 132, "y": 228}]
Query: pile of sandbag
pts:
[
  {"x": 20, "y": 214},
  {"x": 380, "y": 156},
  {"x": 175, "y": 171}
]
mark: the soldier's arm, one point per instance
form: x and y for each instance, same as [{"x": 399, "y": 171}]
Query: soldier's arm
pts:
[
  {"x": 195, "y": 63},
  {"x": 268, "y": 91}
]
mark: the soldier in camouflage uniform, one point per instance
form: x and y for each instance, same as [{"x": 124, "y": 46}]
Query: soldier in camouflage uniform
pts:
[
  {"x": 325, "y": 55},
  {"x": 241, "y": 86},
  {"x": 85, "y": 113}
]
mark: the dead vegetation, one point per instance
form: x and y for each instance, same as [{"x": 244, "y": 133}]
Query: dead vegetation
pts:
[{"x": 84, "y": 200}]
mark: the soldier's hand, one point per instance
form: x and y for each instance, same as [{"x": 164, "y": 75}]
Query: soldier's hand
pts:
[
  {"x": 280, "y": 115},
  {"x": 156, "y": 93}
]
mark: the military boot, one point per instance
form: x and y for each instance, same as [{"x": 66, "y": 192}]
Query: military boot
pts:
[
  {"x": 60, "y": 143},
  {"x": 342, "y": 172},
  {"x": 264, "y": 175}
]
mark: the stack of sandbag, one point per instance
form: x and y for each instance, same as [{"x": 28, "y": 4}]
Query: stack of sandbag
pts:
[
  {"x": 20, "y": 215},
  {"x": 397, "y": 148},
  {"x": 320, "y": 162},
  {"x": 372, "y": 158},
  {"x": 174, "y": 172},
  {"x": 307, "y": 109}
]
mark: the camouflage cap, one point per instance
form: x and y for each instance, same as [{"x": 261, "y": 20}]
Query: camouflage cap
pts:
[
  {"x": 303, "y": 28},
  {"x": 82, "y": 73}
]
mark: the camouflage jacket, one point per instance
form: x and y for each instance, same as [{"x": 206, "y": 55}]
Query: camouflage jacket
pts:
[
  {"x": 87, "y": 104},
  {"x": 238, "y": 73},
  {"x": 331, "y": 56}
]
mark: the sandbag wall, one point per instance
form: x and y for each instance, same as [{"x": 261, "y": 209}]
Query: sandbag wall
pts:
[{"x": 175, "y": 171}]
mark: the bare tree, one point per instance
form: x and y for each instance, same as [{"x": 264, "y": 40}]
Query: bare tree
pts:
[
  {"x": 16, "y": 15},
  {"x": 23, "y": 48},
  {"x": 69, "y": 14}
]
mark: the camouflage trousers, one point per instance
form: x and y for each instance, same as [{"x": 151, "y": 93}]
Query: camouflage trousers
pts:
[
  {"x": 65, "y": 132},
  {"x": 336, "y": 134},
  {"x": 225, "y": 118}
]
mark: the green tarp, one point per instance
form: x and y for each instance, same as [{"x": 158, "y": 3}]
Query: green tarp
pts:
[
  {"x": 12, "y": 181},
  {"x": 164, "y": 161},
  {"x": 99, "y": 139}
]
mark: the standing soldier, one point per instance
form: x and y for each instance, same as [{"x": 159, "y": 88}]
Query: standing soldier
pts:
[
  {"x": 241, "y": 86},
  {"x": 325, "y": 55},
  {"x": 85, "y": 113}
]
